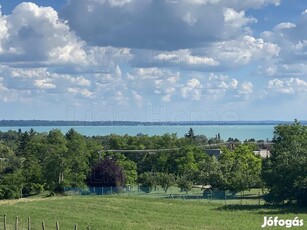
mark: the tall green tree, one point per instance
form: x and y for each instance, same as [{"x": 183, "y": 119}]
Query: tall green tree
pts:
[
  {"x": 241, "y": 169},
  {"x": 31, "y": 149},
  {"x": 285, "y": 172},
  {"x": 77, "y": 160},
  {"x": 11, "y": 178},
  {"x": 55, "y": 163}
]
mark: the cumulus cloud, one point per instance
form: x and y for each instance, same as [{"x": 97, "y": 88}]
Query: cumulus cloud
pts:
[
  {"x": 178, "y": 25},
  {"x": 288, "y": 86},
  {"x": 237, "y": 19},
  {"x": 44, "y": 84},
  {"x": 246, "y": 88},
  {"x": 291, "y": 38},
  {"x": 80, "y": 91},
  {"x": 138, "y": 98},
  {"x": 284, "y": 25},
  {"x": 40, "y": 83},
  {"x": 154, "y": 81},
  {"x": 33, "y": 33},
  {"x": 137, "y": 53},
  {"x": 37, "y": 36},
  {"x": 185, "y": 58},
  {"x": 192, "y": 89}
]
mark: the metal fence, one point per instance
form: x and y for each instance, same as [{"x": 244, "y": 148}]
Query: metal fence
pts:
[{"x": 254, "y": 196}]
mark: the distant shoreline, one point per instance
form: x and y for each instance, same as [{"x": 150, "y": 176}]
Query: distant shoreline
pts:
[{"x": 35, "y": 123}]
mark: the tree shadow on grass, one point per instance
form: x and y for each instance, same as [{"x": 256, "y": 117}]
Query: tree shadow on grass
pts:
[{"x": 266, "y": 209}]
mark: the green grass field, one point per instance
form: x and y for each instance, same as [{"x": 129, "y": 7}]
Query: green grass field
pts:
[{"x": 132, "y": 212}]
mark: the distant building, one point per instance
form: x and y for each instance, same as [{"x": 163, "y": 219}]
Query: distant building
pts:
[
  {"x": 263, "y": 153},
  {"x": 140, "y": 135},
  {"x": 214, "y": 152},
  {"x": 231, "y": 145}
]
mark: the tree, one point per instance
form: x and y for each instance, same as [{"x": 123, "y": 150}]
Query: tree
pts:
[
  {"x": 77, "y": 162},
  {"x": 11, "y": 178},
  {"x": 166, "y": 180},
  {"x": 241, "y": 169},
  {"x": 55, "y": 163},
  {"x": 11, "y": 185},
  {"x": 31, "y": 148},
  {"x": 147, "y": 181},
  {"x": 184, "y": 184},
  {"x": 129, "y": 167},
  {"x": 190, "y": 135},
  {"x": 106, "y": 173},
  {"x": 187, "y": 161},
  {"x": 130, "y": 173},
  {"x": 285, "y": 172},
  {"x": 211, "y": 173}
]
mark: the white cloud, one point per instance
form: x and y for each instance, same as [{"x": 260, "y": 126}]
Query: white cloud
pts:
[
  {"x": 3, "y": 31},
  {"x": 217, "y": 86},
  {"x": 120, "y": 98},
  {"x": 33, "y": 33},
  {"x": 241, "y": 5},
  {"x": 185, "y": 58},
  {"x": 113, "y": 3},
  {"x": 44, "y": 84},
  {"x": 80, "y": 91},
  {"x": 192, "y": 89},
  {"x": 202, "y": 2},
  {"x": 243, "y": 50},
  {"x": 78, "y": 81},
  {"x": 288, "y": 86},
  {"x": 237, "y": 19},
  {"x": 154, "y": 81},
  {"x": 285, "y": 25},
  {"x": 246, "y": 88},
  {"x": 138, "y": 98}
]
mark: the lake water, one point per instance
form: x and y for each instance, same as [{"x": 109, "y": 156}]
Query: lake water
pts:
[{"x": 242, "y": 132}]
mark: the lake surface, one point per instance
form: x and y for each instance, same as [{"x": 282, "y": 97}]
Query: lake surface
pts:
[{"x": 242, "y": 132}]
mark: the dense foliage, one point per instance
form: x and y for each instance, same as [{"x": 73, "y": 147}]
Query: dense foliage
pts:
[
  {"x": 285, "y": 172},
  {"x": 31, "y": 162}
]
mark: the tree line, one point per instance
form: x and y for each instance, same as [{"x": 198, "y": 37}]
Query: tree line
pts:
[{"x": 31, "y": 162}]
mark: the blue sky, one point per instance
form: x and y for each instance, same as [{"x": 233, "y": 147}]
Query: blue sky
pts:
[{"x": 153, "y": 60}]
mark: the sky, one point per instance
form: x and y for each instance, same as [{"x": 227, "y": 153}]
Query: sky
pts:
[{"x": 153, "y": 60}]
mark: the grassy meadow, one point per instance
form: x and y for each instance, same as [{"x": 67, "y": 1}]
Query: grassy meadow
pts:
[{"x": 134, "y": 212}]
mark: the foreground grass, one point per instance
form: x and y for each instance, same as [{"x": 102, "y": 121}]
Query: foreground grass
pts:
[{"x": 129, "y": 212}]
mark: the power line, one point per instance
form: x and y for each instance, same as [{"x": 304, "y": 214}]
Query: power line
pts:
[{"x": 164, "y": 150}]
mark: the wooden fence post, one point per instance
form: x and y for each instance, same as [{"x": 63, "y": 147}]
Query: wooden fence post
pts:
[
  {"x": 16, "y": 223},
  {"x": 43, "y": 226},
  {"x": 29, "y": 224},
  {"x": 4, "y": 222},
  {"x": 57, "y": 226}
]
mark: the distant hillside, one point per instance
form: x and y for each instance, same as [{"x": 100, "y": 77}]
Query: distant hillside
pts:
[{"x": 6, "y": 123}]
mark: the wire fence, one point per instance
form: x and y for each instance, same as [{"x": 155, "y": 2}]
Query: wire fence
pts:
[{"x": 252, "y": 197}]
